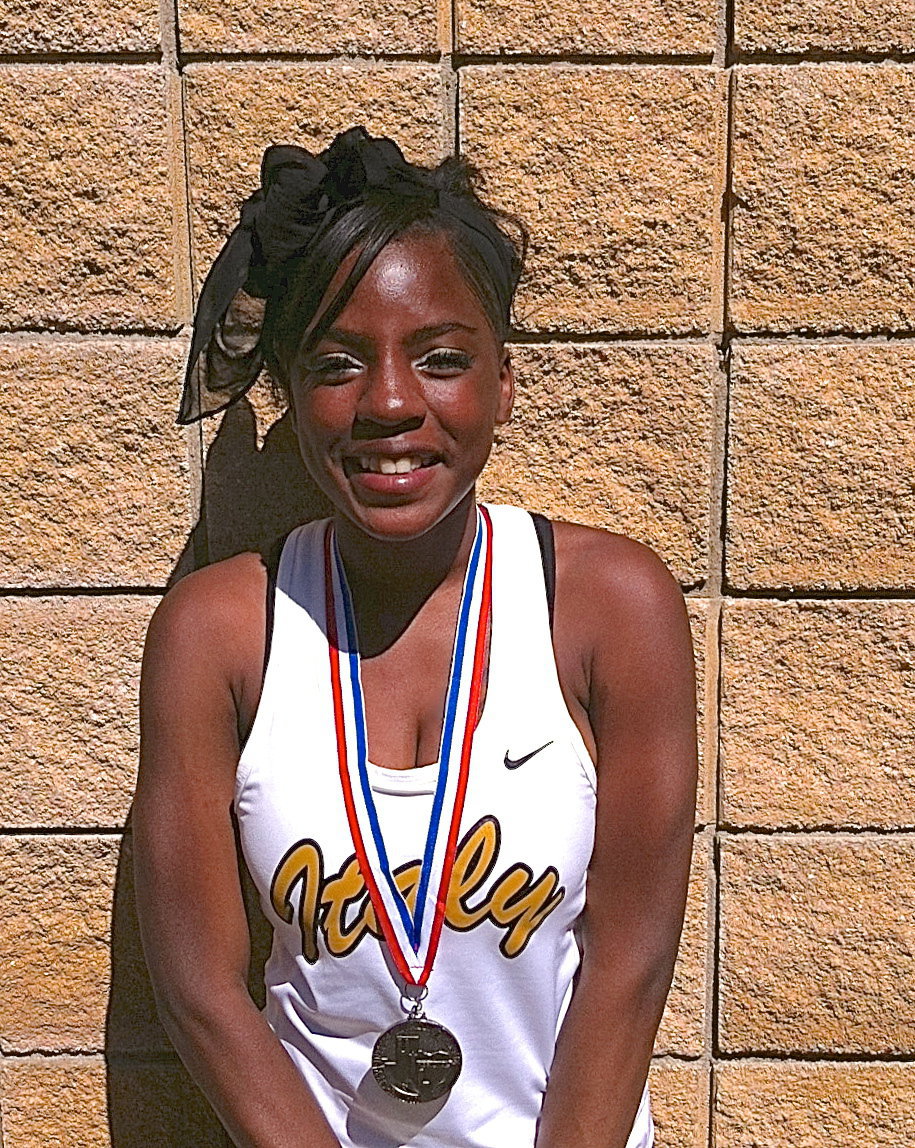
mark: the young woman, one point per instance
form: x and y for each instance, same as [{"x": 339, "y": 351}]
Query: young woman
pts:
[{"x": 437, "y": 727}]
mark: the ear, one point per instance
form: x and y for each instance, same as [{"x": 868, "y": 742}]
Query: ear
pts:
[{"x": 506, "y": 389}]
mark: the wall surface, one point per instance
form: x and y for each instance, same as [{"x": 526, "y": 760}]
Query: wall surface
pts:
[{"x": 715, "y": 352}]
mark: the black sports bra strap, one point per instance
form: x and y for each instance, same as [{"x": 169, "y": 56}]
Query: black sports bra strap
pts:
[
  {"x": 544, "y": 529},
  {"x": 271, "y": 562}
]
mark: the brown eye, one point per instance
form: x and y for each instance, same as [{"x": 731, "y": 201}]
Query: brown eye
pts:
[
  {"x": 445, "y": 361},
  {"x": 332, "y": 367}
]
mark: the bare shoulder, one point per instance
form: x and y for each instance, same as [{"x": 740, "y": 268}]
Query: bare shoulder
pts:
[
  {"x": 210, "y": 629},
  {"x": 208, "y": 605},
  {"x": 614, "y": 575}
]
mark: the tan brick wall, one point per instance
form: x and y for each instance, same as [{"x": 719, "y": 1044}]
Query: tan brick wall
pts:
[{"x": 714, "y": 355}]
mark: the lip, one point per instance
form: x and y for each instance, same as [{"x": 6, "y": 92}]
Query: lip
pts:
[
  {"x": 392, "y": 448},
  {"x": 372, "y": 483}
]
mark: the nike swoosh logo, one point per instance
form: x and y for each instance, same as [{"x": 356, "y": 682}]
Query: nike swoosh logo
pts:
[{"x": 513, "y": 763}]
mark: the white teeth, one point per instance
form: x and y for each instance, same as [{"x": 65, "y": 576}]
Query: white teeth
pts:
[{"x": 402, "y": 465}]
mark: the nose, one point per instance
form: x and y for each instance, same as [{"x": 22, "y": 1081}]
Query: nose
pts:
[{"x": 392, "y": 398}]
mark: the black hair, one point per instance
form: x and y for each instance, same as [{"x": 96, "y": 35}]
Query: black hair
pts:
[
  {"x": 491, "y": 268},
  {"x": 264, "y": 299}
]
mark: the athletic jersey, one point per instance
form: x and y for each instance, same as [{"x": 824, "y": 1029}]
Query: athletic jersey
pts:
[{"x": 504, "y": 971}]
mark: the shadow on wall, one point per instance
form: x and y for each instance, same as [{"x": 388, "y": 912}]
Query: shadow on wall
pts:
[{"x": 252, "y": 498}]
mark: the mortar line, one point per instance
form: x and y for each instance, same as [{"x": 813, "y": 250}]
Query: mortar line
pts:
[
  {"x": 521, "y": 337},
  {"x": 126, "y": 1058},
  {"x": 723, "y": 392},
  {"x": 559, "y": 60},
  {"x": 568, "y": 61},
  {"x": 448, "y": 36},
  {"x": 813, "y": 56},
  {"x": 716, "y": 959},
  {"x": 777, "y": 594},
  {"x": 820, "y": 56},
  {"x": 82, "y": 591},
  {"x": 65, "y": 831},
  {"x": 169, "y": 23},
  {"x": 715, "y": 978},
  {"x": 62, "y": 330},
  {"x": 831, "y": 338},
  {"x": 711, "y": 893},
  {"x": 826, "y": 832},
  {"x": 727, "y": 204},
  {"x": 718, "y": 688},
  {"x": 718, "y": 446},
  {"x": 357, "y": 59},
  {"x": 76, "y": 59},
  {"x": 802, "y": 1056},
  {"x": 717, "y": 543},
  {"x": 730, "y": 32},
  {"x": 196, "y": 447},
  {"x": 455, "y": 112},
  {"x": 697, "y": 591}
]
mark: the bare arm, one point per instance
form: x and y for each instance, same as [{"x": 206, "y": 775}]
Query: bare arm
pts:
[
  {"x": 189, "y": 898},
  {"x": 641, "y": 710}
]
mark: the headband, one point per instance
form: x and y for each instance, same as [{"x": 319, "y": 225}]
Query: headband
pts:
[{"x": 301, "y": 196}]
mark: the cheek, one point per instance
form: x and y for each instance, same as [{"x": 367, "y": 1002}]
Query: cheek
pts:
[{"x": 321, "y": 414}]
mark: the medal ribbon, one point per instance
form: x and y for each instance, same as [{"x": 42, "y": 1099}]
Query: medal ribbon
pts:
[{"x": 412, "y": 936}]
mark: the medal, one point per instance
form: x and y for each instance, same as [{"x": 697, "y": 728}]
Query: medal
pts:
[{"x": 418, "y": 1059}]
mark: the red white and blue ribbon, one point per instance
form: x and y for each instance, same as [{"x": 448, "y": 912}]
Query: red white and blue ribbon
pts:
[{"x": 413, "y": 935}]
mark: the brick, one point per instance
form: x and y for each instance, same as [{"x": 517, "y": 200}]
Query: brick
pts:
[
  {"x": 682, "y": 1029},
  {"x": 58, "y": 26},
  {"x": 679, "y": 1103},
  {"x": 54, "y": 940},
  {"x": 55, "y": 1102},
  {"x": 617, "y": 436},
  {"x": 617, "y": 173},
  {"x": 93, "y": 471},
  {"x": 72, "y": 975},
  {"x": 68, "y": 723},
  {"x": 817, "y": 939},
  {"x": 823, "y": 199},
  {"x": 587, "y": 27},
  {"x": 820, "y": 467},
  {"x": 818, "y": 717},
  {"x": 305, "y": 104},
  {"x": 363, "y": 27},
  {"x": 766, "y": 1105},
  {"x": 85, "y": 206},
  {"x": 825, "y": 25}
]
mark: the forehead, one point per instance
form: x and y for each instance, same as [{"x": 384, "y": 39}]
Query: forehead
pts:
[{"x": 415, "y": 281}]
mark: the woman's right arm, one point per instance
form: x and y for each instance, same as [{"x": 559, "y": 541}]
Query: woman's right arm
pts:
[{"x": 189, "y": 899}]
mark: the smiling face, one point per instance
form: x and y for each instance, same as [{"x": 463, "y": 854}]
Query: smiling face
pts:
[{"x": 396, "y": 406}]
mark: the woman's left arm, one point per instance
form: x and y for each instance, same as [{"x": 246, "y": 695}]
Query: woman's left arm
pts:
[{"x": 642, "y": 711}]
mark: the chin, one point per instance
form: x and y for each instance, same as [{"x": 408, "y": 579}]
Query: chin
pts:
[
  {"x": 393, "y": 523},
  {"x": 404, "y": 522}
]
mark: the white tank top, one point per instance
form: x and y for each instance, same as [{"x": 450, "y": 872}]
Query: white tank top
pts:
[{"x": 505, "y": 967}]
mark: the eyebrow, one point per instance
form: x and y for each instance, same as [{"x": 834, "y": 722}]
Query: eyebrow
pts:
[{"x": 360, "y": 342}]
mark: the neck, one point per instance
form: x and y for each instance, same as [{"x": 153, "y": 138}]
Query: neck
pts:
[{"x": 390, "y": 581}]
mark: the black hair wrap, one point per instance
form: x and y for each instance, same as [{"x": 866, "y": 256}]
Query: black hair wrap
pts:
[{"x": 300, "y": 197}]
